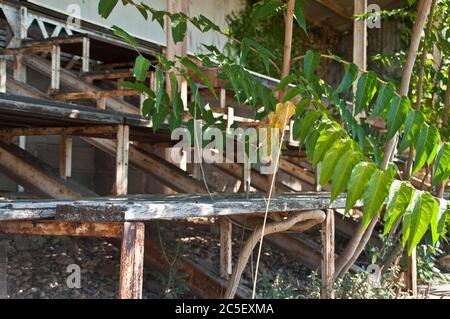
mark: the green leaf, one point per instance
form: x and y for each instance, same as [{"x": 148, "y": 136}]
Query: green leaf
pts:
[
  {"x": 302, "y": 126},
  {"x": 443, "y": 211},
  {"x": 421, "y": 216},
  {"x": 310, "y": 143},
  {"x": 323, "y": 144},
  {"x": 400, "y": 196},
  {"x": 358, "y": 182},
  {"x": 406, "y": 222},
  {"x": 105, "y": 7},
  {"x": 311, "y": 62},
  {"x": 342, "y": 173},
  {"x": 142, "y": 11},
  {"x": 178, "y": 25},
  {"x": 264, "y": 9},
  {"x": 159, "y": 117},
  {"x": 427, "y": 146},
  {"x": 351, "y": 73},
  {"x": 285, "y": 82},
  {"x": 366, "y": 88},
  {"x": 177, "y": 102},
  {"x": 191, "y": 66},
  {"x": 375, "y": 194},
  {"x": 385, "y": 95},
  {"x": 301, "y": 106},
  {"x": 398, "y": 109},
  {"x": 174, "y": 122},
  {"x": 330, "y": 159},
  {"x": 292, "y": 93},
  {"x": 263, "y": 53},
  {"x": 299, "y": 14},
  {"x": 141, "y": 66},
  {"x": 160, "y": 92},
  {"x": 124, "y": 35},
  {"x": 436, "y": 217},
  {"x": 413, "y": 123},
  {"x": 148, "y": 106},
  {"x": 141, "y": 87},
  {"x": 442, "y": 164}
]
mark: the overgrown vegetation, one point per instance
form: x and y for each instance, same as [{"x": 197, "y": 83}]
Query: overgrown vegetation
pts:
[{"x": 371, "y": 165}]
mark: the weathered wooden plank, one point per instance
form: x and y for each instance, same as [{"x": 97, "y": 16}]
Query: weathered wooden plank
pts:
[
  {"x": 65, "y": 157},
  {"x": 122, "y": 149},
  {"x": 180, "y": 207},
  {"x": 19, "y": 69},
  {"x": 132, "y": 261},
  {"x": 327, "y": 268},
  {"x": 2, "y": 75},
  {"x": 95, "y": 130},
  {"x": 98, "y": 94},
  {"x": 56, "y": 67},
  {"x": 62, "y": 228},
  {"x": 225, "y": 248},
  {"x": 30, "y": 46},
  {"x": 85, "y": 55},
  {"x": 24, "y": 106}
]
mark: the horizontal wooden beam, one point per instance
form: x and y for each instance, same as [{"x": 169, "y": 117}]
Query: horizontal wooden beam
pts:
[
  {"x": 62, "y": 228},
  {"x": 188, "y": 206},
  {"x": 109, "y": 75},
  {"x": 153, "y": 207},
  {"x": 94, "y": 94},
  {"x": 32, "y": 46},
  {"x": 95, "y": 130}
]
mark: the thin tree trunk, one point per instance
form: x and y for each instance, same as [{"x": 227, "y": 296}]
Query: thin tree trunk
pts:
[
  {"x": 423, "y": 58},
  {"x": 441, "y": 186},
  {"x": 288, "y": 27}
]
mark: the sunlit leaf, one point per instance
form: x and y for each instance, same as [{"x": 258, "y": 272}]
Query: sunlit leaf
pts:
[
  {"x": 358, "y": 182},
  {"x": 398, "y": 110},
  {"x": 376, "y": 193},
  {"x": 400, "y": 195},
  {"x": 365, "y": 91}
]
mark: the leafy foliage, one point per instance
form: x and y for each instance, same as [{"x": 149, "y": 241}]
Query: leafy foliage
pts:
[{"x": 348, "y": 149}]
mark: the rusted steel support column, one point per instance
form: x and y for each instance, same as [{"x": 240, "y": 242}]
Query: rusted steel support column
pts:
[
  {"x": 132, "y": 261},
  {"x": 328, "y": 256}
]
